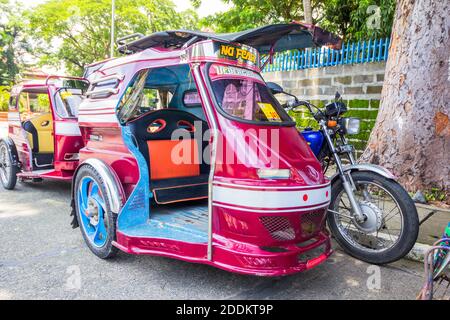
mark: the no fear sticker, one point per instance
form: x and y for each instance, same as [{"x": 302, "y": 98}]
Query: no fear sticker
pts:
[{"x": 237, "y": 53}]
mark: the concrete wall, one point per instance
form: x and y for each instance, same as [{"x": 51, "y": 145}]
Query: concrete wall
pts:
[{"x": 360, "y": 86}]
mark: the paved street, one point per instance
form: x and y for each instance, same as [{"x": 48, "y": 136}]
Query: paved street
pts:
[{"x": 41, "y": 255}]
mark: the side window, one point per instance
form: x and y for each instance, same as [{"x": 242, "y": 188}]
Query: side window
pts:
[
  {"x": 191, "y": 99},
  {"x": 39, "y": 103},
  {"x": 133, "y": 97},
  {"x": 155, "y": 99},
  {"x": 150, "y": 100},
  {"x": 159, "y": 88},
  {"x": 32, "y": 104},
  {"x": 67, "y": 102}
]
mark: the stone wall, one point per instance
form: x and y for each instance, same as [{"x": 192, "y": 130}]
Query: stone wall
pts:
[{"x": 359, "y": 84}]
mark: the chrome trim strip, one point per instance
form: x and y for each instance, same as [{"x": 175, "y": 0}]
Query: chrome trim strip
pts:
[
  {"x": 106, "y": 91},
  {"x": 214, "y": 131},
  {"x": 118, "y": 77},
  {"x": 293, "y": 188},
  {"x": 227, "y": 206},
  {"x": 367, "y": 167}
]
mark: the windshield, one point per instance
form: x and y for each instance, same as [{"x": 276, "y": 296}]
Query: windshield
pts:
[
  {"x": 242, "y": 94},
  {"x": 67, "y": 102}
]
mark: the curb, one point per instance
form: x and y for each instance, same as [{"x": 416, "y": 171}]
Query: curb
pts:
[
  {"x": 417, "y": 253},
  {"x": 419, "y": 250}
]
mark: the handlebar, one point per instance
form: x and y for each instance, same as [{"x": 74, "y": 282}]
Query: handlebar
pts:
[{"x": 319, "y": 115}]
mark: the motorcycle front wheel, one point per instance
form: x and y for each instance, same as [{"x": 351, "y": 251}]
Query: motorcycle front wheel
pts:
[{"x": 391, "y": 223}]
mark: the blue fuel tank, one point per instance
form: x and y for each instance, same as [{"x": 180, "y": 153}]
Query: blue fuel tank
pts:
[{"x": 315, "y": 139}]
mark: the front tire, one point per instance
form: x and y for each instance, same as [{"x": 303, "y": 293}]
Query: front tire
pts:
[
  {"x": 388, "y": 209},
  {"x": 8, "y": 171},
  {"x": 95, "y": 218}
]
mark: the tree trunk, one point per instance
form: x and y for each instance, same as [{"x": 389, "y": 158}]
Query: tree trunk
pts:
[
  {"x": 307, "y": 10},
  {"x": 412, "y": 132}
]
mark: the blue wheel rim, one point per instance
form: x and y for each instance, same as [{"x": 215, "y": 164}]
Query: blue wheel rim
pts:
[{"x": 92, "y": 209}]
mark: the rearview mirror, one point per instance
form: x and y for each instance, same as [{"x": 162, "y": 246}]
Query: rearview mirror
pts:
[
  {"x": 274, "y": 88},
  {"x": 337, "y": 96}
]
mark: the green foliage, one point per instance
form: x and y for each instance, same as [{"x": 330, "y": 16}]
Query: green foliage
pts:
[
  {"x": 359, "y": 19},
  {"x": 304, "y": 119},
  {"x": 13, "y": 44},
  {"x": 358, "y": 104},
  {"x": 4, "y": 97},
  {"x": 246, "y": 14},
  {"x": 74, "y": 33},
  {"x": 435, "y": 194},
  {"x": 352, "y": 19}
]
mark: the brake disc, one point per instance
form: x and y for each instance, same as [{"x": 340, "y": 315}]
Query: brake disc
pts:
[{"x": 373, "y": 218}]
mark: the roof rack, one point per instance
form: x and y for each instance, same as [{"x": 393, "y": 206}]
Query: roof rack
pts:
[
  {"x": 174, "y": 39},
  {"x": 122, "y": 43}
]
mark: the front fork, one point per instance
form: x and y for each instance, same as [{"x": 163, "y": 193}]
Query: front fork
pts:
[{"x": 347, "y": 181}]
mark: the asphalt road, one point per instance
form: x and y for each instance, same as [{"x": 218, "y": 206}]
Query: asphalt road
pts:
[{"x": 42, "y": 257}]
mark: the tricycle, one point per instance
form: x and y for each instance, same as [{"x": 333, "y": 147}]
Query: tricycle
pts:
[
  {"x": 186, "y": 154},
  {"x": 43, "y": 135}
]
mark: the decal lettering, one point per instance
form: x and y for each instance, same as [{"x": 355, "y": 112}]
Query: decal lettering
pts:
[
  {"x": 237, "y": 53},
  {"x": 219, "y": 70},
  {"x": 227, "y": 51}
]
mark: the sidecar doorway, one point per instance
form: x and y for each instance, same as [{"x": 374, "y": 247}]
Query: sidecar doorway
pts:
[
  {"x": 37, "y": 122},
  {"x": 163, "y": 112}
]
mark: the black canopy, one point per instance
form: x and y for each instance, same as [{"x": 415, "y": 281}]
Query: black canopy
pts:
[{"x": 281, "y": 37}]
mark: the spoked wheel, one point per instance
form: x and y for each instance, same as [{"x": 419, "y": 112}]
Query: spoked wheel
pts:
[
  {"x": 8, "y": 171},
  {"x": 95, "y": 218},
  {"x": 391, "y": 224}
]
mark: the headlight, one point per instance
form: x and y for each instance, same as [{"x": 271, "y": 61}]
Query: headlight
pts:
[{"x": 351, "y": 125}]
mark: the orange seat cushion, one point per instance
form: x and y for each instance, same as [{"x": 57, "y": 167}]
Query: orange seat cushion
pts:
[{"x": 173, "y": 159}]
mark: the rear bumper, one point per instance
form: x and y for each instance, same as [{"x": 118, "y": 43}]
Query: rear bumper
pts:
[{"x": 234, "y": 256}]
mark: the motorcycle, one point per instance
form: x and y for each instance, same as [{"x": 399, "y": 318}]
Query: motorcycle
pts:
[{"x": 371, "y": 215}]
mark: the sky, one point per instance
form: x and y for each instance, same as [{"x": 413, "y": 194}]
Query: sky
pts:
[{"x": 208, "y": 6}]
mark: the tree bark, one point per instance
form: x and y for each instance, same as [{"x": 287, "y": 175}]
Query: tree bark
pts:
[
  {"x": 411, "y": 136},
  {"x": 307, "y": 10}
]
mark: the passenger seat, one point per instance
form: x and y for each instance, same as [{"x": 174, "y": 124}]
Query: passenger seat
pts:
[{"x": 172, "y": 182}]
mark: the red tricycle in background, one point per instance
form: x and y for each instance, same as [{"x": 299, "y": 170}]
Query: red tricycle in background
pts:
[{"x": 43, "y": 134}]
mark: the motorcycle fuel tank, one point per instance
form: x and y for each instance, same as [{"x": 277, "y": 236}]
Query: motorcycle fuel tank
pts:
[{"x": 314, "y": 139}]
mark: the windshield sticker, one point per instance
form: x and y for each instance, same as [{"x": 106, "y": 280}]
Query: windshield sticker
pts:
[
  {"x": 191, "y": 99},
  {"x": 269, "y": 111},
  {"x": 221, "y": 71},
  {"x": 65, "y": 95}
]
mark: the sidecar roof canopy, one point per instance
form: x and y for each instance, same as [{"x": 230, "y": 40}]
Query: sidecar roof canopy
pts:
[{"x": 269, "y": 38}]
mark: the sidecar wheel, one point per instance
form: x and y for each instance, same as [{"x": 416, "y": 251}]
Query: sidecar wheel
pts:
[
  {"x": 8, "y": 172},
  {"x": 95, "y": 218},
  {"x": 391, "y": 226}
]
